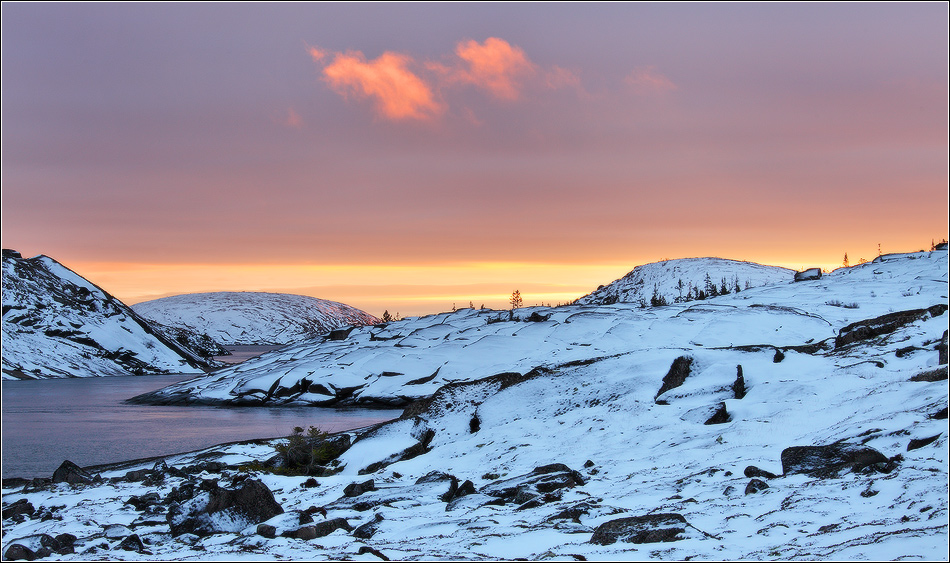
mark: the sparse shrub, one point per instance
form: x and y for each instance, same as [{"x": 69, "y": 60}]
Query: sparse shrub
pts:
[
  {"x": 301, "y": 453},
  {"x": 836, "y": 303}
]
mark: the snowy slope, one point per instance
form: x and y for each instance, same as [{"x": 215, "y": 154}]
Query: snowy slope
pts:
[
  {"x": 409, "y": 359},
  {"x": 252, "y": 317},
  {"x": 681, "y": 280},
  {"x": 634, "y": 452},
  {"x": 57, "y": 324}
]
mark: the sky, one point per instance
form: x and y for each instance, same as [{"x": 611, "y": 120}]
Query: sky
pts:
[{"x": 416, "y": 157}]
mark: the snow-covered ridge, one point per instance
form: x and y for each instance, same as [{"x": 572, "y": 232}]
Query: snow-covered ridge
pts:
[
  {"x": 408, "y": 360},
  {"x": 58, "y": 324},
  {"x": 685, "y": 279},
  {"x": 253, "y": 317}
]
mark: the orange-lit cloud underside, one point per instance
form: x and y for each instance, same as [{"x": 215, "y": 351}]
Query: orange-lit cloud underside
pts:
[{"x": 402, "y": 89}]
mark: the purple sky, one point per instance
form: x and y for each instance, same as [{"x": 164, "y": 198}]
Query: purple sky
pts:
[{"x": 146, "y": 144}]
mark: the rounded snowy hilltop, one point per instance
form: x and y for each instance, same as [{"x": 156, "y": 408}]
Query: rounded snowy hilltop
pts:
[{"x": 251, "y": 317}]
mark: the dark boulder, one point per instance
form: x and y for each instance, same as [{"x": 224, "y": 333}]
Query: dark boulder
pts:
[
  {"x": 939, "y": 374},
  {"x": 132, "y": 543},
  {"x": 756, "y": 485},
  {"x": 69, "y": 472},
  {"x": 17, "y": 552},
  {"x": 721, "y": 416},
  {"x": 329, "y": 526},
  {"x": 649, "y": 528},
  {"x": 917, "y": 443},
  {"x": 753, "y": 471},
  {"x": 831, "y": 460},
  {"x": 356, "y": 489},
  {"x": 214, "y": 509},
  {"x": 809, "y": 274},
  {"x": 457, "y": 491},
  {"x": 369, "y": 529},
  {"x": 19, "y": 510},
  {"x": 738, "y": 388},
  {"x": 372, "y": 551},
  {"x": 942, "y": 350},
  {"x": 267, "y": 531},
  {"x": 885, "y": 324},
  {"x": 679, "y": 371},
  {"x": 141, "y": 502}
]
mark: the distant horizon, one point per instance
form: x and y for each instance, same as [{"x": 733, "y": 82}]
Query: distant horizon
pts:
[
  {"x": 408, "y": 157},
  {"x": 404, "y": 299}
]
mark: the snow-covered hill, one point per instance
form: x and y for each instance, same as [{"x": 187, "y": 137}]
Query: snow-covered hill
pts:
[
  {"x": 796, "y": 421},
  {"x": 408, "y": 360},
  {"x": 685, "y": 279},
  {"x": 252, "y": 317},
  {"x": 58, "y": 324}
]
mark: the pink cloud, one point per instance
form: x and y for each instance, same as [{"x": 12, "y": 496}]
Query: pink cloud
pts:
[
  {"x": 646, "y": 80},
  {"x": 397, "y": 92},
  {"x": 494, "y": 65}
]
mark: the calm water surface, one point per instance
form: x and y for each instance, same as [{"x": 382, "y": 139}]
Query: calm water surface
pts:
[{"x": 87, "y": 422}]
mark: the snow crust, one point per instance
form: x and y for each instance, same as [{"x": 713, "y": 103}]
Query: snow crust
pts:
[{"x": 236, "y": 318}]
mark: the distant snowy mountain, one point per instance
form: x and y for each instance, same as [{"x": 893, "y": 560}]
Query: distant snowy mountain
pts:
[
  {"x": 251, "y": 317},
  {"x": 686, "y": 279},
  {"x": 58, "y": 324}
]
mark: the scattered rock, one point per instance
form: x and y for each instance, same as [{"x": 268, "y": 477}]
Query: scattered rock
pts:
[
  {"x": 214, "y": 509},
  {"x": 921, "y": 442},
  {"x": 142, "y": 502},
  {"x": 267, "y": 531},
  {"x": 474, "y": 424},
  {"x": 534, "y": 486},
  {"x": 829, "y": 461},
  {"x": 755, "y": 485},
  {"x": 649, "y": 528},
  {"x": 679, "y": 371},
  {"x": 939, "y": 415},
  {"x": 18, "y": 510},
  {"x": 778, "y": 357}
]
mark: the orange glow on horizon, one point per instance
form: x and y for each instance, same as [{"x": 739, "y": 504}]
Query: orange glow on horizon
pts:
[{"x": 413, "y": 289}]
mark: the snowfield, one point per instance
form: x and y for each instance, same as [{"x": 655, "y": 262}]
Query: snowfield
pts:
[
  {"x": 608, "y": 432},
  {"x": 58, "y": 324},
  {"x": 245, "y": 317}
]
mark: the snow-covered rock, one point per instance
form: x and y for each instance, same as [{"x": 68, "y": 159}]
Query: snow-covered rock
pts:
[
  {"x": 683, "y": 279},
  {"x": 58, "y": 324},
  {"x": 247, "y": 317}
]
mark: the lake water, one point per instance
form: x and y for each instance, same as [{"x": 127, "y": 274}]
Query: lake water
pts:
[{"x": 87, "y": 422}]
